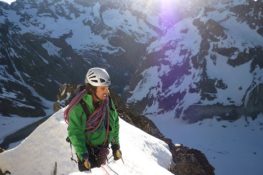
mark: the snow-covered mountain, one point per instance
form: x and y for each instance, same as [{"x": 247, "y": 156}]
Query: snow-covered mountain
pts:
[
  {"x": 192, "y": 60},
  {"x": 207, "y": 64},
  {"x": 199, "y": 56},
  {"x": 46, "y": 151},
  {"x": 47, "y": 43}
]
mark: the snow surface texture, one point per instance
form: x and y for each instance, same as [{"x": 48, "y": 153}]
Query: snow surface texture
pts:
[
  {"x": 12, "y": 124},
  {"x": 46, "y": 146},
  {"x": 231, "y": 147}
]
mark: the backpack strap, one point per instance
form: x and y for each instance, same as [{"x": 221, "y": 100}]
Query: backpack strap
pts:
[
  {"x": 110, "y": 103},
  {"x": 85, "y": 108}
]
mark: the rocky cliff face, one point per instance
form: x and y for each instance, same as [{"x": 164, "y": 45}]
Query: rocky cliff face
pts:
[{"x": 30, "y": 75}]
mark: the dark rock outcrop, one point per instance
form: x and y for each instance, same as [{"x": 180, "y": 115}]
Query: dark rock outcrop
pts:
[
  {"x": 5, "y": 172},
  {"x": 189, "y": 161}
]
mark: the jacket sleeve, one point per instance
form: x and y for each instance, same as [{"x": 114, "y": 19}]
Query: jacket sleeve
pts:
[
  {"x": 115, "y": 116},
  {"x": 76, "y": 130}
]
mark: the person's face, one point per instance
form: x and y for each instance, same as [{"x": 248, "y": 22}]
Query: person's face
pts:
[{"x": 102, "y": 92}]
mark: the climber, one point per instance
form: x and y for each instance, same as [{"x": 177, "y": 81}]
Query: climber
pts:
[{"x": 93, "y": 122}]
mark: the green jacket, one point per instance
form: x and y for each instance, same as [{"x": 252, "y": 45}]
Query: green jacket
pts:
[{"x": 77, "y": 125}]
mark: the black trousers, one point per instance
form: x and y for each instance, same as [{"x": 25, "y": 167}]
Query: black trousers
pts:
[{"x": 97, "y": 157}]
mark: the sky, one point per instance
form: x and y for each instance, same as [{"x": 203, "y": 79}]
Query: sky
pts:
[{"x": 142, "y": 153}]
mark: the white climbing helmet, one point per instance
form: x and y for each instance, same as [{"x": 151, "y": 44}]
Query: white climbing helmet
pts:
[{"x": 97, "y": 77}]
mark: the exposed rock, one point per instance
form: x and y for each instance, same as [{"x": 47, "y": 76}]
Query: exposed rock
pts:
[
  {"x": 64, "y": 95},
  {"x": 254, "y": 101},
  {"x": 190, "y": 162},
  {"x": 4, "y": 173},
  {"x": 253, "y": 104}
]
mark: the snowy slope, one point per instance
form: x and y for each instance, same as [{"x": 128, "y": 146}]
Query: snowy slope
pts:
[
  {"x": 231, "y": 147},
  {"x": 38, "y": 153}
]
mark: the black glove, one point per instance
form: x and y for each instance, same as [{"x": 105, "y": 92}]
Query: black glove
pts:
[
  {"x": 116, "y": 151},
  {"x": 85, "y": 161}
]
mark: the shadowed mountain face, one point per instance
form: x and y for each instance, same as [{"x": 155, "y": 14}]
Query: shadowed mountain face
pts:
[{"x": 197, "y": 57}]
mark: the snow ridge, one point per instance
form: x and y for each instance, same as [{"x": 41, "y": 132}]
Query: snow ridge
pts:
[{"x": 46, "y": 148}]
